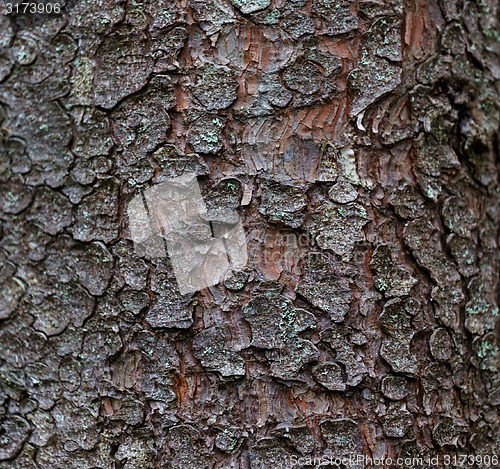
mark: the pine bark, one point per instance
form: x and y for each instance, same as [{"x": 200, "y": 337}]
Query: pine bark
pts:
[{"x": 358, "y": 143}]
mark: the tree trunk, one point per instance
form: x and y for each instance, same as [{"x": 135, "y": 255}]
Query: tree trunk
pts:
[{"x": 358, "y": 144}]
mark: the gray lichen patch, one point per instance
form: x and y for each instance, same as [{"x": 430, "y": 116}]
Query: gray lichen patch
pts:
[
  {"x": 161, "y": 14},
  {"x": 131, "y": 270},
  {"x": 274, "y": 320},
  {"x": 92, "y": 136},
  {"x": 390, "y": 279},
  {"x": 15, "y": 196},
  {"x": 447, "y": 303},
  {"x": 275, "y": 325},
  {"x": 97, "y": 214},
  {"x": 212, "y": 16},
  {"x": 228, "y": 440},
  {"x": 24, "y": 51},
  {"x": 15, "y": 431},
  {"x": 171, "y": 163},
  {"x": 170, "y": 309},
  {"x": 137, "y": 451},
  {"x": 288, "y": 361},
  {"x": 441, "y": 345},
  {"x": 324, "y": 289},
  {"x": 251, "y": 6},
  {"x": 43, "y": 427},
  {"x": 336, "y": 15},
  {"x": 331, "y": 375},
  {"x": 395, "y": 387},
  {"x": 133, "y": 301},
  {"x": 210, "y": 347},
  {"x": 11, "y": 292},
  {"x": 376, "y": 73},
  {"x": 268, "y": 452},
  {"x": 83, "y": 171},
  {"x": 63, "y": 304},
  {"x": 330, "y": 64},
  {"x": 283, "y": 203},
  {"x": 371, "y": 80},
  {"x": 51, "y": 211},
  {"x": 431, "y": 160},
  {"x": 447, "y": 431},
  {"x": 158, "y": 362},
  {"x": 313, "y": 76},
  {"x": 299, "y": 436},
  {"x": 7, "y": 32},
  {"x": 298, "y": 25},
  {"x": 128, "y": 409},
  {"x": 267, "y": 17},
  {"x": 486, "y": 353},
  {"x": 279, "y": 96},
  {"x": 482, "y": 309},
  {"x": 347, "y": 158},
  {"x": 396, "y": 322},
  {"x": 42, "y": 384},
  {"x": 339, "y": 227},
  {"x": 458, "y": 217},
  {"x": 75, "y": 425},
  {"x": 140, "y": 172},
  {"x": 406, "y": 201},
  {"x": 329, "y": 165},
  {"x": 372, "y": 9},
  {"x": 75, "y": 192},
  {"x": 224, "y": 195},
  {"x": 58, "y": 456},
  {"x": 397, "y": 421},
  {"x": 167, "y": 47},
  {"x": 437, "y": 68},
  {"x": 216, "y": 87},
  {"x": 186, "y": 450},
  {"x": 342, "y": 436},
  {"x": 44, "y": 130},
  {"x": 204, "y": 134},
  {"x": 343, "y": 192},
  {"x": 6, "y": 65},
  {"x": 89, "y": 17},
  {"x": 14, "y": 157},
  {"x": 351, "y": 362},
  {"x": 94, "y": 267},
  {"x": 384, "y": 38},
  {"x": 91, "y": 265},
  {"x": 235, "y": 281},
  {"x": 304, "y": 77},
  {"x": 423, "y": 238},
  {"x": 101, "y": 341},
  {"x": 141, "y": 122},
  {"x": 123, "y": 67},
  {"x": 464, "y": 252}
]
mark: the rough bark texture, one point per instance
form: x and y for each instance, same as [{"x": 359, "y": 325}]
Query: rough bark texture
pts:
[{"x": 358, "y": 142}]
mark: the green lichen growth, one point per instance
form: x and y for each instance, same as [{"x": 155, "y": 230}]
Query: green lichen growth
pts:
[{"x": 210, "y": 137}]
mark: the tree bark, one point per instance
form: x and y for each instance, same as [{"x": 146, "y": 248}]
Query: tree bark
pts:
[{"x": 358, "y": 143}]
